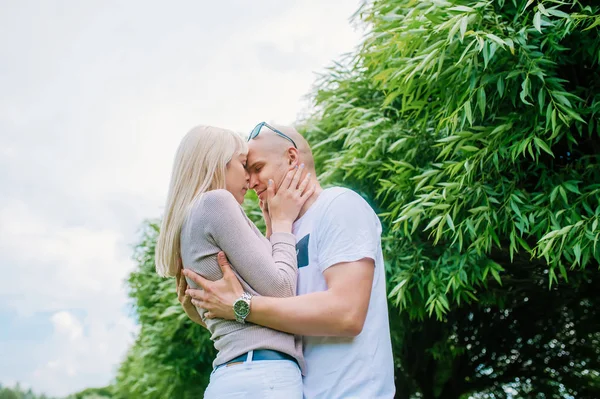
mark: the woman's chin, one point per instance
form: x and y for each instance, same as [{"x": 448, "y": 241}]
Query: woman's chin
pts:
[{"x": 242, "y": 196}]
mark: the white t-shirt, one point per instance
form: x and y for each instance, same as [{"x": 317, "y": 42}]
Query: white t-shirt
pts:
[{"x": 341, "y": 227}]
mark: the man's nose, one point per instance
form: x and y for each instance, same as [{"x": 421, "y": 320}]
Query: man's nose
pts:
[{"x": 253, "y": 181}]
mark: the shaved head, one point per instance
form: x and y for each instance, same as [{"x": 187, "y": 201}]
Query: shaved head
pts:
[
  {"x": 271, "y": 156},
  {"x": 269, "y": 141}
]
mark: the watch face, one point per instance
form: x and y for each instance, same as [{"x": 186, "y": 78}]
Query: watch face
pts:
[{"x": 241, "y": 308}]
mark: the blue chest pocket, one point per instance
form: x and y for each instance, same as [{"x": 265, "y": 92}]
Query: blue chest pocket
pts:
[{"x": 302, "y": 251}]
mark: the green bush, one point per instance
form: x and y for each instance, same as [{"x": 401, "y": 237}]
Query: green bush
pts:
[
  {"x": 19, "y": 393},
  {"x": 472, "y": 127},
  {"x": 472, "y": 132}
]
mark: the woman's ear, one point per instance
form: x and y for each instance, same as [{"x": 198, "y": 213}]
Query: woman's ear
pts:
[{"x": 293, "y": 156}]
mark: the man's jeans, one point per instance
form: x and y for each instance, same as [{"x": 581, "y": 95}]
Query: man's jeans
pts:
[{"x": 268, "y": 379}]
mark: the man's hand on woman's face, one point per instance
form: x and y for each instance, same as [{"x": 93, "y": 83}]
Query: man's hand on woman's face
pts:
[{"x": 217, "y": 297}]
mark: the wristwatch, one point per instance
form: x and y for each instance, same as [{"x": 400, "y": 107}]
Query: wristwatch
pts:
[{"x": 241, "y": 307}]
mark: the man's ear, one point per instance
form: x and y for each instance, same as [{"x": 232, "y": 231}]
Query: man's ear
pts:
[{"x": 293, "y": 156}]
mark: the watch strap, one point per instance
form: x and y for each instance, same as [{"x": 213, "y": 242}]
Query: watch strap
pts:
[{"x": 241, "y": 318}]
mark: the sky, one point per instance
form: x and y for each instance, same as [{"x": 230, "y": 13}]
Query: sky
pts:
[{"x": 94, "y": 98}]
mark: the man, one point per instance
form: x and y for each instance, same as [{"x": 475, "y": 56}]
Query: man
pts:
[{"x": 341, "y": 307}]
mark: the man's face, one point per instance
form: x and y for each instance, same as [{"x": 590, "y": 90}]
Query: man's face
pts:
[{"x": 264, "y": 165}]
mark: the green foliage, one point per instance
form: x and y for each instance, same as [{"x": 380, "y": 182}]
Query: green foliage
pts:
[
  {"x": 253, "y": 211},
  {"x": 94, "y": 393},
  {"x": 472, "y": 127},
  {"x": 172, "y": 356},
  {"x": 472, "y": 132},
  {"x": 90, "y": 393},
  {"x": 18, "y": 393}
]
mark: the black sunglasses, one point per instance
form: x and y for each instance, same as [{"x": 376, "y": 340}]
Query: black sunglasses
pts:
[{"x": 257, "y": 128}]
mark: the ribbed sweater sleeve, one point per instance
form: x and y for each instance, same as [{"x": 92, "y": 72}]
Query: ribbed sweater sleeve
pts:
[{"x": 270, "y": 273}]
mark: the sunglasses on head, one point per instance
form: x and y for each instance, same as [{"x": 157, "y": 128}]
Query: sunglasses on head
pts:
[{"x": 257, "y": 128}]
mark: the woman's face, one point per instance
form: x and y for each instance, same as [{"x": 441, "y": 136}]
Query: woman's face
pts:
[{"x": 237, "y": 178}]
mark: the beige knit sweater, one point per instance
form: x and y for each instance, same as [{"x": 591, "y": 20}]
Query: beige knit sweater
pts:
[{"x": 216, "y": 222}]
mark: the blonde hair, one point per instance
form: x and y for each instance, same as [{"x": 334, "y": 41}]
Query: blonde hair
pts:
[{"x": 200, "y": 166}]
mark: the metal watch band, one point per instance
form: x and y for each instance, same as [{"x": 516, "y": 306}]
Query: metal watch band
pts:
[{"x": 240, "y": 317}]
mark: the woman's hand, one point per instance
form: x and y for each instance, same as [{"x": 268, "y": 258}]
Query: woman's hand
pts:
[{"x": 285, "y": 206}]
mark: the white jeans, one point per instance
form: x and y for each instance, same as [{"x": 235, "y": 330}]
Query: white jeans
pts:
[{"x": 264, "y": 379}]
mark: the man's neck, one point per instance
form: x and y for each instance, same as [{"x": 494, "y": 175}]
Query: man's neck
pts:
[{"x": 309, "y": 202}]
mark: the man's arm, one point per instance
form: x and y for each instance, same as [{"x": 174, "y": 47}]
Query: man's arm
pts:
[{"x": 339, "y": 311}]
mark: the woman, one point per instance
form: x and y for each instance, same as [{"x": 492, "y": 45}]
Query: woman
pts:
[{"x": 203, "y": 216}]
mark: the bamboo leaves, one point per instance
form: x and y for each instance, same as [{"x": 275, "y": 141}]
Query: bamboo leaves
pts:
[
  {"x": 537, "y": 21},
  {"x": 478, "y": 116}
]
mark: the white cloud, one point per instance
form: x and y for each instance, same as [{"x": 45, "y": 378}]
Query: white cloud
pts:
[
  {"x": 96, "y": 96},
  {"x": 56, "y": 267},
  {"x": 65, "y": 324},
  {"x": 82, "y": 352}
]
